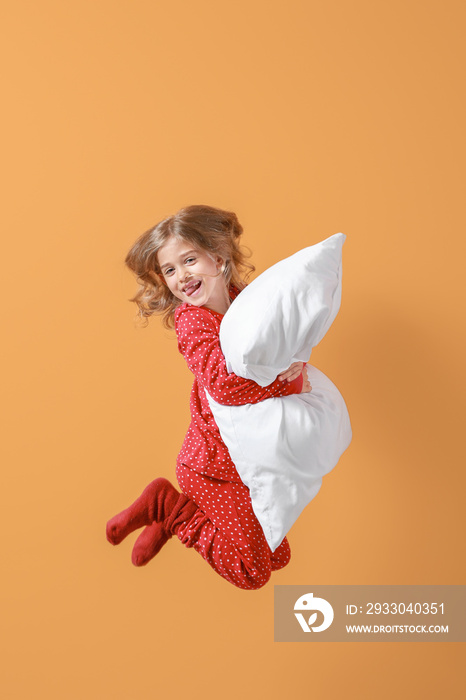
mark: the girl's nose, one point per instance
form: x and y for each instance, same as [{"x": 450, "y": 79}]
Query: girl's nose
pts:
[{"x": 183, "y": 275}]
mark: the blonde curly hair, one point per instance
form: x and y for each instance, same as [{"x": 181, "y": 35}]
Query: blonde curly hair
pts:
[{"x": 211, "y": 230}]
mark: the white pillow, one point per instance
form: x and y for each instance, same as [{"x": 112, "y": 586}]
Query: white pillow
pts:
[
  {"x": 282, "y": 447},
  {"x": 283, "y": 313}
]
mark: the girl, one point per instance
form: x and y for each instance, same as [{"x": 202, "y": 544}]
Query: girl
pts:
[{"x": 190, "y": 267}]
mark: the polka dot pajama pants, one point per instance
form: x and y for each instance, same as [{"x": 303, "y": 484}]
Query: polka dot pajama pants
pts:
[{"x": 225, "y": 531}]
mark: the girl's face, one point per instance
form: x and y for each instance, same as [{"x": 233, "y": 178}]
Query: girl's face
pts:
[{"x": 193, "y": 276}]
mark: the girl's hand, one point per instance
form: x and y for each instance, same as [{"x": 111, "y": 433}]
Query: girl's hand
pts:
[
  {"x": 292, "y": 372},
  {"x": 306, "y": 384}
]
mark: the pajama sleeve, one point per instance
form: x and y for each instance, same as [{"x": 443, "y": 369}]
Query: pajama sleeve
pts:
[{"x": 199, "y": 343}]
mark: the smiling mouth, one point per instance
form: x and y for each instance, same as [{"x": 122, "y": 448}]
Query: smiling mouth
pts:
[{"x": 192, "y": 287}]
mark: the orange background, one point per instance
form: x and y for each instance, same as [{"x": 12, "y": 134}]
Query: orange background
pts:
[{"x": 306, "y": 119}]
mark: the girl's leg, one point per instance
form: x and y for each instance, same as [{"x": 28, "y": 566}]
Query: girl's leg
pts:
[
  {"x": 224, "y": 529},
  {"x": 230, "y": 539}
]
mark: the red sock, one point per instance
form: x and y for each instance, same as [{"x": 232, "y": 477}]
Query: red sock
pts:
[
  {"x": 149, "y": 543},
  {"x": 155, "y": 503},
  {"x": 161, "y": 503}
]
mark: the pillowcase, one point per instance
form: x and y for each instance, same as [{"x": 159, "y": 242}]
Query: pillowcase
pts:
[
  {"x": 280, "y": 316},
  {"x": 282, "y": 447}
]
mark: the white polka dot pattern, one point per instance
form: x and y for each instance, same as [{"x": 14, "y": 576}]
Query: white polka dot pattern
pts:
[{"x": 226, "y": 533}]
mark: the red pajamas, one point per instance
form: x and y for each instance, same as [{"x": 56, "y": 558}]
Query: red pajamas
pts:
[
  {"x": 224, "y": 529},
  {"x": 226, "y": 532}
]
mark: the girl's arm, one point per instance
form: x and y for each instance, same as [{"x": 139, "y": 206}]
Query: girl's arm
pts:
[{"x": 199, "y": 343}]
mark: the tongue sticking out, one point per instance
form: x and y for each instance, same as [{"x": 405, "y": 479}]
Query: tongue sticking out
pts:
[{"x": 191, "y": 288}]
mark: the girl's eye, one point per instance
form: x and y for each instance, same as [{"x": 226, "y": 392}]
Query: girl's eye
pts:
[
  {"x": 188, "y": 261},
  {"x": 168, "y": 271}
]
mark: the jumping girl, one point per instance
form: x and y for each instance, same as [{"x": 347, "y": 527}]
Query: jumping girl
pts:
[{"x": 190, "y": 267}]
